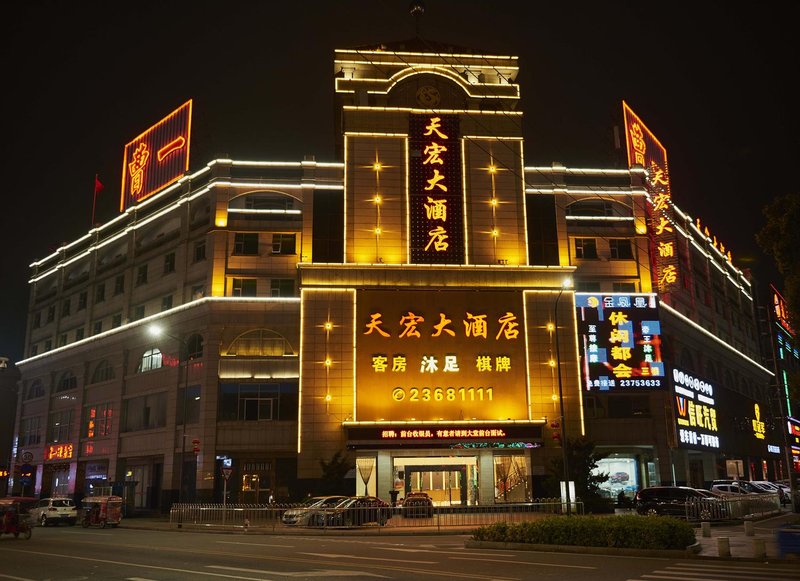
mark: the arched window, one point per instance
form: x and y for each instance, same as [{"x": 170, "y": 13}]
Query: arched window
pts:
[
  {"x": 151, "y": 359},
  {"x": 260, "y": 343},
  {"x": 711, "y": 371},
  {"x": 66, "y": 381},
  {"x": 103, "y": 372},
  {"x": 194, "y": 347},
  {"x": 687, "y": 361},
  {"x": 35, "y": 389}
]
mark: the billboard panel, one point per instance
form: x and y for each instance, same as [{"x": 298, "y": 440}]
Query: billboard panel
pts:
[
  {"x": 447, "y": 355},
  {"x": 695, "y": 410},
  {"x": 157, "y": 157},
  {"x": 619, "y": 341}
]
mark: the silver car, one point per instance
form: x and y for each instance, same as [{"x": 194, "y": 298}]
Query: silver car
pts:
[
  {"x": 311, "y": 511},
  {"x": 54, "y": 511}
]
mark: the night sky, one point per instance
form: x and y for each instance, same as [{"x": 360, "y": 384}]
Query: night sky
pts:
[{"x": 84, "y": 78}]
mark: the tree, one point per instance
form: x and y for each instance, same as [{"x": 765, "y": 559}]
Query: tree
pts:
[
  {"x": 780, "y": 239},
  {"x": 334, "y": 472},
  {"x": 582, "y": 459}
]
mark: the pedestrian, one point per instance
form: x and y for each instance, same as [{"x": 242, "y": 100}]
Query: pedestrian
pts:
[{"x": 271, "y": 498}]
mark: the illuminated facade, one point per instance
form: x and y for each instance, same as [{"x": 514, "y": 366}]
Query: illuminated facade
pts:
[{"x": 405, "y": 306}]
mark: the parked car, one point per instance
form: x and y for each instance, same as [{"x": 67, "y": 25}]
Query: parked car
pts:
[
  {"x": 359, "y": 510},
  {"x": 417, "y": 504},
  {"x": 729, "y": 489},
  {"x": 678, "y": 501},
  {"x": 54, "y": 511},
  {"x": 311, "y": 511}
]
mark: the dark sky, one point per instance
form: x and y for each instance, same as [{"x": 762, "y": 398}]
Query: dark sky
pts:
[{"x": 84, "y": 78}]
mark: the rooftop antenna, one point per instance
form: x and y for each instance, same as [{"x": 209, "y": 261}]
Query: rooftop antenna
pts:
[{"x": 417, "y": 9}]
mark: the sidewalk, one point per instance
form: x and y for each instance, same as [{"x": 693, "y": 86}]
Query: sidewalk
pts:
[{"x": 759, "y": 546}]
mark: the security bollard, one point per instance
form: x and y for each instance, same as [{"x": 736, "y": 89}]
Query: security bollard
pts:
[
  {"x": 706, "y": 528},
  {"x": 759, "y": 549},
  {"x": 724, "y": 546},
  {"x": 748, "y": 528}
]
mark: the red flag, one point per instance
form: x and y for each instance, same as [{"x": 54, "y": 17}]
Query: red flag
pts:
[{"x": 98, "y": 187}]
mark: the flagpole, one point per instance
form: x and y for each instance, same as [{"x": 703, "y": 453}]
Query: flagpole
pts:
[{"x": 94, "y": 198}]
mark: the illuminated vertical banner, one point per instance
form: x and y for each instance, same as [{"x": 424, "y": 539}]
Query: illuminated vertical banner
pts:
[
  {"x": 780, "y": 311},
  {"x": 157, "y": 157},
  {"x": 620, "y": 341},
  {"x": 644, "y": 149},
  {"x": 436, "y": 212},
  {"x": 695, "y": 410}
]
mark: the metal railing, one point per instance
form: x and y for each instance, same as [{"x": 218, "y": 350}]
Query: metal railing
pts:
[
  {"x": 270, "y": 517},
  {"x": 732, "y": 507}
]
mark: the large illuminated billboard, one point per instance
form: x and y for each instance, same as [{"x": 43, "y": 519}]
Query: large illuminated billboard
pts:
[
  {"x": 446, "y": 355},
  {"x": 157, "y": 157},
  {"x": 436, "y": 203},
  {"x": 695, "y": 411},
  {"x": 619, "y": 341}
]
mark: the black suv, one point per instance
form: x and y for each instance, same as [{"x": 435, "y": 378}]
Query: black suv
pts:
[{"x": 679, "y": 501}]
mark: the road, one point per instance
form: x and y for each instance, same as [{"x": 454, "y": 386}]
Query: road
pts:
[{"x": 73, "y": 553}]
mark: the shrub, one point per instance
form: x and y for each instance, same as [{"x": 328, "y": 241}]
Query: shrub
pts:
[{"x": 626, "y": 531}]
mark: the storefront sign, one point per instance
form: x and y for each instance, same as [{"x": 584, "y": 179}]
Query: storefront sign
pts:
[
  {"x": 432, "y": 355},
  {"x": 695, "y": 411},
  {"x": 472, "y": 435},
  {"x": 436, "y": 202},
  {"x": 620, "y": 341},
  {"x": 59, "y": 452}
]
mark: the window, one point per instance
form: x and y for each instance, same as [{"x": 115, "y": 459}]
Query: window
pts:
[
  {"x": 585, "y": 248},
  {"x": 82, "y": 299},
  {"x": 100, "y": 293},
  {"x": 166, "y": 303},
  {"x": 590, "y": 208},
  {"x": 51, "y": 313},
  {"x": 585, "y": 286},
  {"x": 97, "y": 328},
  {"x": 97, "y": 420},
  {"x": 66, "y": 382},
  {"x": 119, "y": 284},
  {"x": 141, "y": 274},
  {"x": 245, "y": 244},
  {"x": 244, "y": 287},
  {"x": 79, "y": 333},
  {"x": 283, "y": 244},
  {"x": 48, "y": 344},
  {"x": 200, "y": 251},
  {"x": 34, "y": 350},
  {"x": 624, "y": 287},
  {"x": 151, "y": 359},
  {"x": 116, "y": 321},
  {"x": 37, "y": 320},
  {"x": 62, "y": 339},
  {"x": 281, "y": 287},
  {"x": 145, "y": 412},
  {"x": 35, "y": 389},
  {"x": 194, "y": 347},
  {"x": 30, "y": 431},
  {"x": 258, "y": 401},
  {"x": 189, "y": 399},
  {"x": 169, "y": 263},
  {"x": 59, "y": 426},
  {"x": 621, "y": 249},
  {"x": 65, "y": 306},
  {"x": 138, "y": 312},
  {"x": 198, "y": 292},
  {"x": 103, "y": 372}
]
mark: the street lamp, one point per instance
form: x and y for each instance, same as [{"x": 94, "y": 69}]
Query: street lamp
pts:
[
  {"x": 156, "y": 331},
  {"x": 564, "y": 286}
]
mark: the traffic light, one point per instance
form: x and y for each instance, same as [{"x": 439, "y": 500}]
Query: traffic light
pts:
[
  {"x": 555, "y": 432},
  {"x": 196, "y": 446}
]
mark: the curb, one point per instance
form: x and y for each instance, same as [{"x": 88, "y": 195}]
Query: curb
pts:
[{"x": 689, "y": 551}]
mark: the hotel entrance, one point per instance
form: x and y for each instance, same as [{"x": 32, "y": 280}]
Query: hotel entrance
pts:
[{"x": 448, "y": 481}]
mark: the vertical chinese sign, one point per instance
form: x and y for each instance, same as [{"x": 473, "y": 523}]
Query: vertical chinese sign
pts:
[
  {"x": 157, "y": 157},
  {"x": 436, "y": 211},
  {"x": 620, "y": 341},
  {"x": 645, "y": 150}
]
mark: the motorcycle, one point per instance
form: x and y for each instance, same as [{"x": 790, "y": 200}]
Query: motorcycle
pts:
[
  {"x": 15, "y": 519},
  {"x": 101, "y": 511}
]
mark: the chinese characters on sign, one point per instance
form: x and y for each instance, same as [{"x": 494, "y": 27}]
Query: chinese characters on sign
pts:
[
  {"x": 435, "y": 200},
  {"x": 645, "y": 150},
  {"x": 780, "y": 311},
  {"x": 453, "y": 354},
  {"x": 620, "y": 341},
  {"x": 59, "y": 452},
  {"x": 695, "y": 412},
  {"x": 156, "y": 158}
]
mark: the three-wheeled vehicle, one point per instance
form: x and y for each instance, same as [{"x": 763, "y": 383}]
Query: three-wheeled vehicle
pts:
[
  {"x": 14, "y": 517},
  {"x": 101, "y": 511}
]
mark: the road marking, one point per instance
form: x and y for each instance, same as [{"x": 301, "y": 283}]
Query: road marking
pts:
[
  {"x": 521, "y": 562},
  {"x": 756, "y": 569},
  {"x": 335, "y": 556},
  {"x": 304, "y": 574},
  {"x": 255, "y": 544},
  {"x": 15, "y": 578},
  {"x": 139, "y": 579}
]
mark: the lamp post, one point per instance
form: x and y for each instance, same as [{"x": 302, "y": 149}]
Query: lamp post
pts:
[
  {"x": 157, "y": 331},
  {"x": 565, "y": 456}
]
